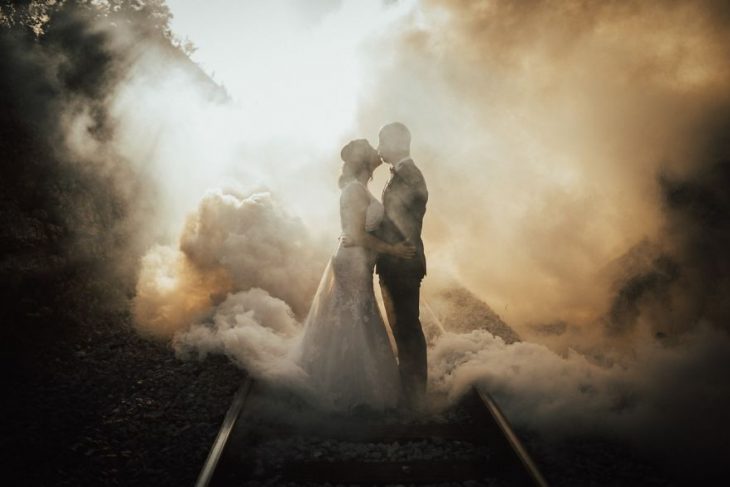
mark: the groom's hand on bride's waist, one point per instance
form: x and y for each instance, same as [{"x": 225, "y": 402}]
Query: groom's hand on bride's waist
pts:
[{"x": 404, "y": 250}]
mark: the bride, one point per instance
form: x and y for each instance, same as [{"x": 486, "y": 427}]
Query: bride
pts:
[{"x": 345, "y": 348}]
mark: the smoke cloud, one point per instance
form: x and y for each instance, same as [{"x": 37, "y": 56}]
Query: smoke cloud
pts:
[
  {"x": 667, "y": 401},
  {"x": 548, "y": 131},
  {"x": 76, "y": 213},
  {"x": 231, "y": 243},
  {"x": 575, "y": 154},
  {"x": 254, "y": 329}
]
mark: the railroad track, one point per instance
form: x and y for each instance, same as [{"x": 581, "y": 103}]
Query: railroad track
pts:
[{"x": 269, "y": 437}]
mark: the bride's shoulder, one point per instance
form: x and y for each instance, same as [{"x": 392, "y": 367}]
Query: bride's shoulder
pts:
[
  {"x": 354, "y": 191},
  {"x": 354, "y": 187}
]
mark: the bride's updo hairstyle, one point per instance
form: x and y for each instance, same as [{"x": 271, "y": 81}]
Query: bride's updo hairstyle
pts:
[{"x": 357, "y": 156}]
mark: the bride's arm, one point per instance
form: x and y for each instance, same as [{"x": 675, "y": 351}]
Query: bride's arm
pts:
[
  {"x": 353, "y": 209},
  {"x": 404, "y": 250}
]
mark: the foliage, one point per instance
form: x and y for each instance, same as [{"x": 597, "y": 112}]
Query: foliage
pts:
[{"x": 69, "y": 225}]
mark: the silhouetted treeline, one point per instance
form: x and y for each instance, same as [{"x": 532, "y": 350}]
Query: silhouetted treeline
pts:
[{"x": 69, "y": 230}]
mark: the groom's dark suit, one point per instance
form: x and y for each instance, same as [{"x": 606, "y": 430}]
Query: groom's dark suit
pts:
[{"x": 404, "y": 199}]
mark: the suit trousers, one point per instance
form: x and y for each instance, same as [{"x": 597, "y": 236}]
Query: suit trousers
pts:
[{"x": 401, "y": 298}]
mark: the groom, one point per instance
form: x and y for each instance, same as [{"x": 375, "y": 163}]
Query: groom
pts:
[{"x": 404, "y": 199}]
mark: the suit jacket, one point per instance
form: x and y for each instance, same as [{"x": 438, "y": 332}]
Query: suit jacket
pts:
[{"x": 404, "y": 199}]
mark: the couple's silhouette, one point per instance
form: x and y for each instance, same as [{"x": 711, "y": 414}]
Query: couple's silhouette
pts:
[{"x": 345, "y": 347}]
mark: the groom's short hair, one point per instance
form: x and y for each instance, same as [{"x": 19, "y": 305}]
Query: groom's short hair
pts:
[{"x": 396, "y": 135}]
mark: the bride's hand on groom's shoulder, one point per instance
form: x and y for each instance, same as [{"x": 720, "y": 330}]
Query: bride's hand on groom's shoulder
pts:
[{"x": 404, "y": 250}]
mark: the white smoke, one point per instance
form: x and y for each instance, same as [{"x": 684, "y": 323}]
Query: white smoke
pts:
[
  {"x": 172, "y": 292},
  {"x": 243, "y": 260},
  {"x": 257, "y": 242},
  {"x": 666, "y": 398},
  {"x": 226, "y": 290},
  {"x": 232, "y": 243},
  {"x": 253, "y": 329}
]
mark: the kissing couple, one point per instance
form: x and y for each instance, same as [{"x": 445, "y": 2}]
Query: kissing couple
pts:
[{"x": 345, "y": 347}]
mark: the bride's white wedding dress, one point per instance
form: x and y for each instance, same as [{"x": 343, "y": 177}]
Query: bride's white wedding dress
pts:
[{"x": 344, "y": 347}]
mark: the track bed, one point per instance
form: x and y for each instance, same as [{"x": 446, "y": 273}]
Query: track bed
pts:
[{"x": 273, "y": 438}]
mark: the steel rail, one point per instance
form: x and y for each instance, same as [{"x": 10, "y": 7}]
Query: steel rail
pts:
[
  {"x": 229, "y": 422},
  {"x": 520, "y": 463},
  {"x": 515, "y": 444}
]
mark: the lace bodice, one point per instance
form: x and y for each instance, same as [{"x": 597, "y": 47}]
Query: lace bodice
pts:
[
  {"x": 374, "y": 214},
  {"x": 353, "y": 201}
]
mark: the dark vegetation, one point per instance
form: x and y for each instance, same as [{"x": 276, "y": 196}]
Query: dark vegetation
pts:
[{"x": 86, "y": 401}]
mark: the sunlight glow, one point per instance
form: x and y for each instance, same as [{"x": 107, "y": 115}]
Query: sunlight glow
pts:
[{"x": 294, "y": 79}]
